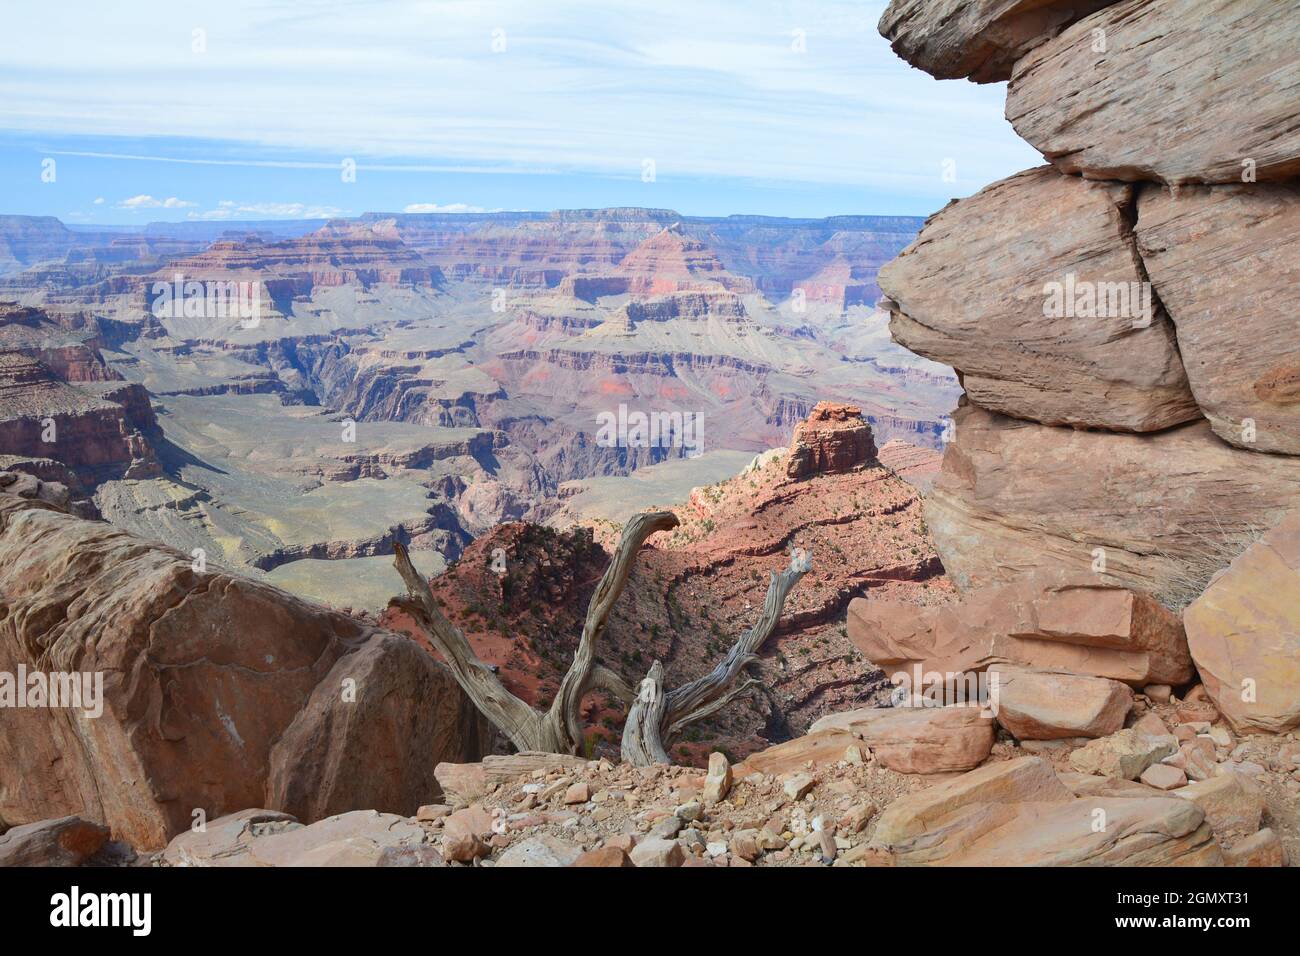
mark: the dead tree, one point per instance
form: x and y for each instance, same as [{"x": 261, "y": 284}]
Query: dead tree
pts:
[
  {"x": 557, "y": 730},
  {"x": 657, "y": 718}
]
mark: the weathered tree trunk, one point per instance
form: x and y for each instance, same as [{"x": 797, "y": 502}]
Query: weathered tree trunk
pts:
[
  {"x": 656, "y": 718},
  {"x": 559, "y": 729}
]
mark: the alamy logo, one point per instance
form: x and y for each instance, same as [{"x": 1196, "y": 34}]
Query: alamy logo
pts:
[
  {"x": 1075, "y": 298},
  {"x": 921, "y": 688},
  {"x": 58, "y": 689},
  {"x": 212, "y": 299},
  {"x": 624, "y": 429},
  {"x": 75, "y": 908}
]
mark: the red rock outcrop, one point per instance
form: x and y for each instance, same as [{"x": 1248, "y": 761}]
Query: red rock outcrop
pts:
[
  {"x": 1043, "y": 323},
  {"x": 1244, "y": 634},
  {"x": 1081, "y": 623},
  {"x": 520, "y": 592},
  {"x": 1016, "y": 497},
  {"x": 833, "y": 438},
  {"x": 216, "y": 692},
  {"x": 1175, "y": 91},
  {"x": 1226, "y": 263},
  {"x": 977, "y": 39}
]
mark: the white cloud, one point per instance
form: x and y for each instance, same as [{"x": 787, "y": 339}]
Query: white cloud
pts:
[
  {"x": 230, "y": 209},
  {"x": 99, "y": 200},
  {"x": 434, "y": 207},
  {"x": 148, "y": 202},
  {"x": 704, "y": 87}
]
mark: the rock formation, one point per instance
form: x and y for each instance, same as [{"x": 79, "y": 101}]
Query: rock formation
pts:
[
  {"x": 1174, "y": 91},
  {"x": 1226, "y": 261},
  {"x": 1244, "y": 634},
  {"x": 1074, "y": 623},
  {"x": 215, "y": 693},
  {"x": 977, "y": 39},
  {"x": 833, "y": 438},
  {"x": 990, "y": 289},
  {"x": 1036, "y": 319},
  {"x": 1016, "y": 497}
]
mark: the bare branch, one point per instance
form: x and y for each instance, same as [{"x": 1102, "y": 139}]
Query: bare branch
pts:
[
  {"x": 645, "y": 740},
  {"x": 642, "y": 744},
  {"x": 606, "y": 679},
  {"x": 564, "y": 710},
  {"x": 512, "y": 716},
  {"x": 692, "y": 697},
  {"x": 680, "y": 723}
]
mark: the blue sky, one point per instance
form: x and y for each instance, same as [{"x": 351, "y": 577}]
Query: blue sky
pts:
[{"x": 247, "y": 109}]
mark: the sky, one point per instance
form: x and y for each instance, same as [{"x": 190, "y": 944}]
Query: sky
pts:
[{"x": 132, "y": 112}]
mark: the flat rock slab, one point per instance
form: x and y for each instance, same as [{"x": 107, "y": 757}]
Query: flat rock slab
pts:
[
  {"x": 1038, "y": 705},
  {"x": 67, "y": 841},
  {"x": 1079, "y": 622},
  {"x": 1244, "y": 634},
  {"x": 1233, "y": 805},
  {"x": 1185, "y": 91},
  {"x": 977, "y": 39},
  {"x": 918, "y": 739},
  {"x": 265, "y": 838},
  {"x": 542, "y": 851},
  {"x": 1016, "y": 498},
  {"x": 1017, "y": 813},
  {"x": 463, "y": 783},
  {"x": 1125, "y": 754},
  {"x": 1044, "y": 323},
  {"x": 1225, "y": 261}
]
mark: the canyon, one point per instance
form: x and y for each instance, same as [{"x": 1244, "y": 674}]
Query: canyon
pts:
[
  {"x": 288, "y": 399},
  {"x": 1004, "y": 566}
]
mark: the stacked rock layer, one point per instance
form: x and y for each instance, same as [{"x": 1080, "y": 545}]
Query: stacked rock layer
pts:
[{"x": 1121, "y": 323}]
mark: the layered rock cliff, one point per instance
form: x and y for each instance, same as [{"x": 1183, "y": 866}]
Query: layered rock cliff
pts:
[{"x": 1140, "y": 284}]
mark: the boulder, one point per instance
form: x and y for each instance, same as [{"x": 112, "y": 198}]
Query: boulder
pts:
[
  {"x": 67, "y": 841},
  {"x": 1078, "y": 623},
  {"x": 917, "y": 739},
  {"x": 820, "y": 749},
  {"x": 1164, "y": 777},
  {"x": 1153, "y": 511},
  {"x": 1244, "y": 634},
  {"x": 1038, "y": 705},
  {"x": 544, "y": 851},
  {"x": 1124, "y": 754},
  {"x": 1017, "y": 813},
  {"x": 656, "y": 851},
  {"x": 1042, "y": 323},
  {"x": 466, "y": 833},
  {"x": 1225, "y": 261},
  {"x": 262, "y": 838},
  {"x": 463, "y": 783},
  {"x": 380, "y": 747},
  {"x": 1233, "y": 805},
  {"x": 977, "y": 39},
  {"x": 1184, "y": 91},
  {"x": 605, "y": 856},
  {"x": 202, "y": 674},
  {"x": 1262, "y": 849},
  {"x": 834, "y": 437},
  {"x": 717, "y": 783}
]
